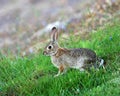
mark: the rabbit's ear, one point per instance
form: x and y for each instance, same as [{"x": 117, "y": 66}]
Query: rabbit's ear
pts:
[{"x": 54, "y": 34}]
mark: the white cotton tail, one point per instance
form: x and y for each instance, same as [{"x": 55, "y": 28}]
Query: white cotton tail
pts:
[{"x": 101, "y": 63}]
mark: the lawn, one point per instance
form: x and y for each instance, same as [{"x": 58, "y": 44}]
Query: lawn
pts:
[{"x": 33, "y": 75}]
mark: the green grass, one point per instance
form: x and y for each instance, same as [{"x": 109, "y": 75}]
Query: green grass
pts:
[{"x": 33, "y": 75}]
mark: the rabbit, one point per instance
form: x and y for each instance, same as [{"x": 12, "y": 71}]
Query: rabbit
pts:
[{"x": 63, "y": 58}]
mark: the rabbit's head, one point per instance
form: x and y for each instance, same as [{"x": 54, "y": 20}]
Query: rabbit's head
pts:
[{"x": 52, "y": 47}]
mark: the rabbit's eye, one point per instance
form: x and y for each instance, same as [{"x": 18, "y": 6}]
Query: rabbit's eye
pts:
[{"x": 49, "y": 47}]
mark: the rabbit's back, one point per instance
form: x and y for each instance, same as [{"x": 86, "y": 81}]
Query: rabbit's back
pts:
[
  {"x": 74, "y": 58},
  {"x": 82, "y": 52}
]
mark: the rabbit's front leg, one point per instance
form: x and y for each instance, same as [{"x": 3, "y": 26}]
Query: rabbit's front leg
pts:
[{"x": 61, "y": 70}]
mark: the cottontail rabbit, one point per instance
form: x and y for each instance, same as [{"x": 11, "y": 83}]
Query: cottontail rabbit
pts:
[{"x": 63, "y": 58}]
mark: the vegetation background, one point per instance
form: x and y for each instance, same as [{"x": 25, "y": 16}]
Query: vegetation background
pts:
[{"x": 24, "y": 30}]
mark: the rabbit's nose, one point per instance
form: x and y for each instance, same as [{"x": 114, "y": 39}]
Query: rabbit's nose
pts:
[{"x": 44, "y": 52}]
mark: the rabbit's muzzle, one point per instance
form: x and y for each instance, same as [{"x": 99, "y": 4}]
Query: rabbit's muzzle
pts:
[{"x": 44, "y": 53}]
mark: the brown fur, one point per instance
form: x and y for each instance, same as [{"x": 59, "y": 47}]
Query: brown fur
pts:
[
  {"x": 60, "y": 52},
  {"x": 61, "y": 68}
]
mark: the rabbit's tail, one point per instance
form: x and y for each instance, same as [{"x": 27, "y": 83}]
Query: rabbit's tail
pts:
[{"x": 101, "y": 62}]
